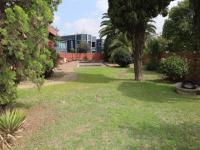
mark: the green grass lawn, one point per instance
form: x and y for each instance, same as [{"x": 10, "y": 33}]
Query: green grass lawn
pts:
[{"x": 106, "y": 110}]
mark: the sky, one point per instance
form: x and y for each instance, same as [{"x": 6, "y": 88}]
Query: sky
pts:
[{"x": 84, "y": 16}]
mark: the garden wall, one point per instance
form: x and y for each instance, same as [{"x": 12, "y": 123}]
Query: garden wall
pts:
[{"x": 81, "y": 56}]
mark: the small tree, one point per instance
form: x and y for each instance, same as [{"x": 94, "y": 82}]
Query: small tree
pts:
[
  {"x": 83, "y": 47},
  {"x": 23, "y": 43},
  {"x": 132, "y": 17},
  {"x": 154, "y": 48}
]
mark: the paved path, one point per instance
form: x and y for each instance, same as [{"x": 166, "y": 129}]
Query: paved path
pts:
[{"x": 62, "y": 74}]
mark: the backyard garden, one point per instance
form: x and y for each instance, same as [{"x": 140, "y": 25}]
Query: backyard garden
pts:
[
  {"x": 105, "y": 109},
  {"x": 144, "y": 93}
]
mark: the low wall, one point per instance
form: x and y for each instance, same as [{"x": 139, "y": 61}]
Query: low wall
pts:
[{"x": 81, "y": 56}]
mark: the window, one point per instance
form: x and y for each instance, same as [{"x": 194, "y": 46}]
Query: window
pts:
[{"x": 93, "y": 44}]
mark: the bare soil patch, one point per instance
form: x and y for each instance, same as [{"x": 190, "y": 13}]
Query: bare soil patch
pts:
[
  {"x": 62, "y": 74},
  {"x": 37, "y": 118}
]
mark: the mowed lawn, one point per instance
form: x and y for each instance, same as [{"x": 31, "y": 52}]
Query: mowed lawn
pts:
[{"x": 106, "y": 110}]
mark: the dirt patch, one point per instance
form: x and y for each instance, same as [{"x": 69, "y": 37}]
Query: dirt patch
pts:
[
  {"x": 37, "y": 118},
  {"x": 62, "y": 74},
  {"x": 83, "y": 129}
]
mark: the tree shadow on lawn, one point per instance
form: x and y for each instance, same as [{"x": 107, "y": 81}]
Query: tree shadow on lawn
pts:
[
  {"x": 153, "y": 92},
  {"x": 183, "y": 136},
  {"x": 96, "y": 78}
]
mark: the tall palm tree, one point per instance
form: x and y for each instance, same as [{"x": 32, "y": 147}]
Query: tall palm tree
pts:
[
  {"x": 107, "y": 30},
  {"x": 116, "y": 39}
]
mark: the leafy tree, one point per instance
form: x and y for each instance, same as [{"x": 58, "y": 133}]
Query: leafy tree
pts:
[
  {"x": 83, "y": 47},
  {"x": 110, "y": 32},
  {"x": 178, "y": 28},
  {"x": 23, "y": 43},
  {"x": 155, "y": 47},
  {"x": 122, "y": 57},
  {"x": 121, "y": 41},
  {"x": 116, "y": 39},
  {"x": 132, "y": 17}
]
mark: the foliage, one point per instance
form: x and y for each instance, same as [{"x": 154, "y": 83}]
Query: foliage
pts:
[
  {"x": 52, "y": 64},
  {"x": 83, "y": 47},
  {"x": 108, "y": 105},
  {"x": 121, "y": 41},
  {"x": 10, "y": 125},
  {"x": 107, "y": 30},
  {"x": 116, "y": 39},
  {"x": 155, "y": 47},
  {"x": 7, "y": 87},
  {"x": 122, "y": 57},
  {"x": 72, "y": 50},
  {"x": 110, "y": 33},
  {"x": 178, "y": 28},
  {"x": 132, "y": 17},
  {"x": 23, "y": 43},
  {"x": 174, "y": 67}
]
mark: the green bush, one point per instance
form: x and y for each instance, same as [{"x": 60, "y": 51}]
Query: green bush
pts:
[
  {"x": 154, "y": 49},
  {"x": 122, "y": 57},
  {"x": 152, "y": 66},
  {"x": 7, "y": 87},
  {"x": 11, "y": 122},
  {"x": 50, "y": 65},
  {"x": 174, "y": 67}
]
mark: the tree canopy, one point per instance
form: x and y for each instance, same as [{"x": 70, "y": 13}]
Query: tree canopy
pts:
[
  {"x": 132, "y": 17},
  {"x": 178, "y": 28},
  {"x": 23, "y": 43}
]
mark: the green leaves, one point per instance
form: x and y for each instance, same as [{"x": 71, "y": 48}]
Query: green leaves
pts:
[
  {"x": 10, "y": 124},
  {"x": 178, "y": 28},
  {"x": 24, "y": 44},
  {"x": 7, "y": 86},
  {"x": 11, "y": 121},
  {"x": 132, "y": 17},
  {"x": 174, "y": 67}
]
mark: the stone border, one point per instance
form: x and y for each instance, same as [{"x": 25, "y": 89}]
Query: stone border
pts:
[{"x": 181, "y": 90}]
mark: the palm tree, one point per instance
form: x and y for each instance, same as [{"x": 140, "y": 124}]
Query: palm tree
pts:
[
  {"x": 107, "y": 30},
  {"x": 116, "y": 39}
]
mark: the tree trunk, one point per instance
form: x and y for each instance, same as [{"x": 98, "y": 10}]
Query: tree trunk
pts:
[{"x": 138, "y": 43}]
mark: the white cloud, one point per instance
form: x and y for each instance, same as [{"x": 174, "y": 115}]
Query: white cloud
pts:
[
  {"x": 91, "y": 24},
  {"x": 57, "y": 19},
  {"x": 102, "y": 5},
  {"x": 83, "y": 25}
]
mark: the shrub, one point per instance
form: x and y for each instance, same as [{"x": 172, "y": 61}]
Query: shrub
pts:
[
  {"x": 83, "y": 47},
  {"x": 122, "y": 57},
  {"x": 7, "y": 87},
  {"x": 154, "y": 48},
  {"x": 10, "y": 124},
  {"x": 54, "y": 57},
  {"x": 174, "y": 67},
  {"x": 152, "y": 66}
]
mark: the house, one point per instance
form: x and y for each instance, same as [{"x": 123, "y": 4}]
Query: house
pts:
[
  {"x": 70, "y": 43},
  {"x": 53, "y": 33}
]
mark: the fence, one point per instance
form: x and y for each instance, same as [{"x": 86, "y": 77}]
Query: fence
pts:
[{"x": 81, "y": 56}]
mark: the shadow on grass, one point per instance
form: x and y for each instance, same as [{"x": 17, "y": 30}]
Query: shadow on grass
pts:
[
  {"x": 20, "y": 105},
  {"x": 164, "y": 136},
  {"x": 96, "y": 78},
  {"x": 151, "y": 91}
]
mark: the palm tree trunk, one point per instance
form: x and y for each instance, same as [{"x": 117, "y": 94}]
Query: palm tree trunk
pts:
[{"x": 138, "y": 43}]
